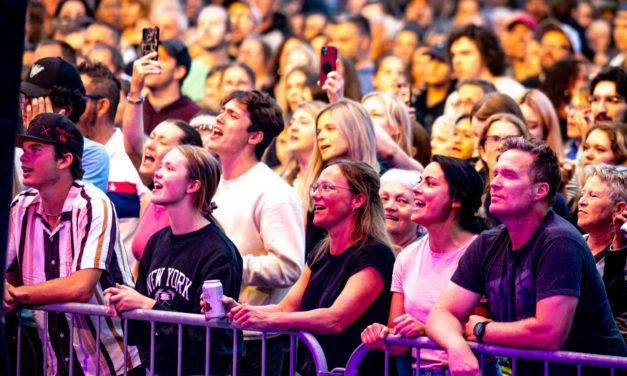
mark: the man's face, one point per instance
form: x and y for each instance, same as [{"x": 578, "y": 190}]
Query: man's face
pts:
[
  {"x": 242, "y": 21},
  {"x": 519, "y": 37},
  {"x": 88, "y": 120},
  {"x": 76, "y": 39},
  {"x": 168, "y": 72},
  {"x": 466, "y": 59},
  {"x": 347, "y": 38},
  {"x": 391, "y": 73},
  {"x": 211, "y": 29},
  {"x": 554, "y": 47},
  {"x": 438, "y": 72},
  {"x": 606, "y": 102},
  {"x": 251, "y": 54},
  {"x": 314, "y": 25},
  {"x": 467, "y": 96},
  {"x": 39, "y": 167},
  {"x": 235, "y": 78},
  {"x": 103, "y": 56},
  {"x": 230, "y": 135},
  {"x": 51, "y": 50},
  {"x": 98, "y": 34},
  {"x": 405, "y": 44},
  {"x": 512, "y": 189},
  {"x": 168, "y": 24},
  {"x": 539, "y": 9},
  {"x": 620, "y": 32}
]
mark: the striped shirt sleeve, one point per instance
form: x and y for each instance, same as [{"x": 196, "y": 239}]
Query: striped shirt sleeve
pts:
[
  {"x": 11, "y": 260},
  {"x": 98, "y": 234}
]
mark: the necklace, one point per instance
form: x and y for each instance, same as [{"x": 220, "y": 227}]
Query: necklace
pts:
[{"x": 53, "y": 215}]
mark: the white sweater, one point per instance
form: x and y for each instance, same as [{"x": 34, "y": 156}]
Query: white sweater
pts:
[{"x": 263, "y": 217}]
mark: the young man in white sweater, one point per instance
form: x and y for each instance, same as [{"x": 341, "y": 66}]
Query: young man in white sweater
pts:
[{"x": 259, "y": 211}]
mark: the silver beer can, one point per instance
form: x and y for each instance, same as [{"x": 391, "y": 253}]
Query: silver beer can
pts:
[{"x": 212, "y": 294}]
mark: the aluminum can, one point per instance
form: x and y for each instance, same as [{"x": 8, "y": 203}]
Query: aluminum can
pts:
[
  {"x": 212, "y": 294},
  {"x": 623, "y": 229}
]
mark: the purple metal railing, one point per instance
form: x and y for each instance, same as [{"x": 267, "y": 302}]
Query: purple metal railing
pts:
[
  {"x": 171, "y": 318},
  {"x": 568, "y": 357}
]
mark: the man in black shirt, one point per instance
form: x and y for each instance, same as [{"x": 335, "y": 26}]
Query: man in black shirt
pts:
[{"x": 536, "y": 271}]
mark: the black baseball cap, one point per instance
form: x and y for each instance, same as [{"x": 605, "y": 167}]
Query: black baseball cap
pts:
[
  {"x": 48, "y": 72},
  {"x": 178, "y": 51},
  {"x": 438, "y": 51},
  {"x": 54, "y": 129}
]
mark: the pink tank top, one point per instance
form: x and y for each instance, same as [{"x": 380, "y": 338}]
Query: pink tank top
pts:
[{"x": 154, "y": 219}]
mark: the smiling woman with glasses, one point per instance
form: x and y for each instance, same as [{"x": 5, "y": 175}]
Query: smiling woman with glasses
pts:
[{"x": 347, "y": 278}]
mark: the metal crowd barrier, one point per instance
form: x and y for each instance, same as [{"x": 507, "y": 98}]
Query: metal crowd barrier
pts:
[
  {"x": 170, "y": 318},
  {"x": 568, "y": 357}
]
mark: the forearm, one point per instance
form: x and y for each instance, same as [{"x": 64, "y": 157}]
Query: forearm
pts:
[
  {"x": 526, "y": 334},
  {"x": 64, "y": 289},
  {"x": 445, "y": 330},
  {"x": 133, "y": 128},
  {"x": 317, "y": 321}
]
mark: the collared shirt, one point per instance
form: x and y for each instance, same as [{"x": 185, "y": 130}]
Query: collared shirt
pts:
[
  {"x": 182, "y": 108},
  {"x": 87, "y": 237}
]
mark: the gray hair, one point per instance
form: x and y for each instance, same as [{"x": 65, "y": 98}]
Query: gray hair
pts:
[
  {"x": 614, "y": 177},
  {"x": 409, "y": 179},
  {"x": 172, "y": 9}
]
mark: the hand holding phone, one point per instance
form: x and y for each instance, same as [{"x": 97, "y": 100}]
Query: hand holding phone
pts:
[
  {"x": 328, "y": 58},
  {"x": 404, "y": 93},
  {"x": 150, "y": 41}
]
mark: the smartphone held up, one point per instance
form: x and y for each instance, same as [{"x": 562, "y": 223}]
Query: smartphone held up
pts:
[
  {"x": 150, "y": 41},
  {"x": 328, "y": 59}
]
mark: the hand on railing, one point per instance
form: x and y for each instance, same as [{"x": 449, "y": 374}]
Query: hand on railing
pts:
[
  {"x": 13, "y": 297},
  {"x": 123, "y": 298},
  {"x": 249, "y": 317},
  {"x": 229, "y": 304},
  {"x": 374, "y": 335},
  {"x": 408, "y": 326}
]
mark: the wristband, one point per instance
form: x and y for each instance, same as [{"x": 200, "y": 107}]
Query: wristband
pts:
[{"x": 131, "y": 101}]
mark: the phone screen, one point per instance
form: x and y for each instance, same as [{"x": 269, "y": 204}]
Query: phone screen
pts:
[{"x": 150, "y": 41}]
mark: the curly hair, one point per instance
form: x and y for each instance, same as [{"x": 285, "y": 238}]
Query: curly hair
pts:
[
  {"x": 62, "y": 97},
  {"x": 487, "y": 43}
]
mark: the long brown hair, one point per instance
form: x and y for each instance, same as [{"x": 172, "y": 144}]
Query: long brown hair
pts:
[
  {"x": 205, "y": 168},
  {"x": 547, "y": 117},
  {"x": 369, "y": 221}
]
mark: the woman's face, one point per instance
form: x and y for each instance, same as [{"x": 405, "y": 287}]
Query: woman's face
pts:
[
  {"x": 130, "y": 12},
  {"x": 282, "y": 151},
  {"x": 595, "y": 209},
  {"x": 294, "y": 89},
  {"x": 531, "y": 118},
  {"x": 391, "y": 73},
  {"x": 499, "y": 130},
  {"x": 577, "y": 105},
  {"x": 440, "y": 140},
  {"x": 334, "y": 207},
  {"x": 463, "y": 140},
  {"x": 162, "y": 139},
  {"x": 301, "y": 133},
  {"x": 72, "y": 9},
  {"x": 212, "y": 87},
  {"x": 295, "y": 58},
  {"x": 330, "y": 142},
  {"x": 598, "y": 149},
  {"x": 376, "y": 110},
  {"x": 171, "y": 183},
  {"x": 398, "y": 202},
  {"x": 432, "y": 202}
]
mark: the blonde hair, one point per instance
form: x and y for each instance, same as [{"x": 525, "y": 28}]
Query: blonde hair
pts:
[
  {"x": 314, "y": 62},
  {"x": 397, "y": 117},
  {"x": 369, "y": 221},
  {"x": 541, "y": 105},
  {"x": 205, "y": 168},
  {"x": 355, "y": 126}
]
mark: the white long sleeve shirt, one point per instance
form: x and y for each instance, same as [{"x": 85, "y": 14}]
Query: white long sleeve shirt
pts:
[{"x": 263, "y": 217}]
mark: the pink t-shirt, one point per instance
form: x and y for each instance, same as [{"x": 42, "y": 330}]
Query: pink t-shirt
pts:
[
  {"x": 152, "y": 220},
  {"x": 421, "y": 275}
]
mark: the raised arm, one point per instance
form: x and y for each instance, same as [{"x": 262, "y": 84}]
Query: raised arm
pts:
[
  {"x": 388, "y": 151},
  {"x": 133, "y": 122}
]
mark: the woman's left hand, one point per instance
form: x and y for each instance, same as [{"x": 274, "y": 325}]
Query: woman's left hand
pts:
[
  {"x": 126, "y": 298},
  {"x": 408, "y": 326},
  {"x": 249, "y": 317}
]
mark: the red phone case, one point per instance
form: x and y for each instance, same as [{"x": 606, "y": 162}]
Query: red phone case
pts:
[{"x": 328, "y": 57}]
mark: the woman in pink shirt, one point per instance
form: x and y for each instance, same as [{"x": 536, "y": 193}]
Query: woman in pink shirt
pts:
[{"x": 448, "y": 195}]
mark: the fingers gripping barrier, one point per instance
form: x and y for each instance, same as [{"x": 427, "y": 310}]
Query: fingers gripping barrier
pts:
[{"x": 171, "y": 318}]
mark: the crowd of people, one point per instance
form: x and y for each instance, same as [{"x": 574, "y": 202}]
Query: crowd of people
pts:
[{"x": 487, "y": 206}]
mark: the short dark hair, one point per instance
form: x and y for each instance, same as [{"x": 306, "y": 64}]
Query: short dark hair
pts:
[
  {"x": 76, "y": 168},
  {"x": 487, "y": 43},
  {"x": 487, "y": 86},
  {"x": 545, "y": 166},
  {"x": 88, "y": 11},
  {"x": 265, "y": 115},
  {"x": 360, "y": 22},
  {"x": 612, "y": 74},
  {"x": 104, "y": 83},
  {"x": 379, "y": 61},
  {"x": 466, "y": 186},
  {"x": 496, "y": 103},
  {"x": 190, "y": 135},
  {"x": 63, "y": 97},
  {"x": 116, "y": 56},
  {"x": 246, "y": 68},
  {"x": 110, "y": 27},
  {"x": 67, "y": 52}
]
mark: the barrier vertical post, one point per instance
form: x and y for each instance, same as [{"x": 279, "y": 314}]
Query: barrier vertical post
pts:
[
  {"x": 72, "y": 345},
  {"x": 179, "y": 355},
  {"x": 45, "y": 342},
  {"x": 152, "y": 348},
  {"x": 19, "y": 342},
  {"x": 234, "y": 352},
  {"x": 263, "y": 353},
  {"x": 125, "y": 340},
  {"x": 97, "y": 344},
  {"x": 546, "y": 368},
  {"x": 387, "y": 361},
  {"x": 207, "y": 352},
  {"x": 292, "y": 355}
]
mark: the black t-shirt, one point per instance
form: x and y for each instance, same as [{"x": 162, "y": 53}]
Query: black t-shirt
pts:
[
  {"x": 426, "y": 116},
  {"x": 172, "y": 271},
  {"x": 554, "y": 261},
  {"x": 329, "y": 274}
]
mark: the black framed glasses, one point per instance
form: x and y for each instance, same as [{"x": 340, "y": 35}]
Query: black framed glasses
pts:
[
  {"x": 203, "y": 127},
  {"x": 93, "y": 96},
  {"x": 493, "y": 141},
  {"x": 324, "y": 188}
]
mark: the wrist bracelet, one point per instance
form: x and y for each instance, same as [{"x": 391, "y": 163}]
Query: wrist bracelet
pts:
[{"x": 139, "y": 101}]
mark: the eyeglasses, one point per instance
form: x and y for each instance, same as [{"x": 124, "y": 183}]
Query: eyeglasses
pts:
[
  {"x": 493, "y": 141},
  {"x": 93, "y": 96},
  {"x": 203, "y": 127},
  {"x": 614, "y": 99},
  {"x": 242, "y": 18},
  {"x": 324, "y": 188},
  {"x": 463, "y": 134},
  {"x": 468, "y": 102},
  {"x": 24, "y": 98}
]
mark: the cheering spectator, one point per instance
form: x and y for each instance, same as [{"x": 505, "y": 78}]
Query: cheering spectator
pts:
[
  {"x": 398, "y": 202},
  {"x": 100, "y": 32},
  {"x": 541, "y": 118},
  {"x": 535, "y": 261},
  {"x": 295, "y": 86},
  {"x": 195, "y": 249},
  {"x": 442, "y": 135},
  {"x": 346, "y": 281},
  {"x": 389, "y": 71},
  {"x": 620, "y": 37},
  {"x": 352, "y": 37},
  {"x": 53, "y": 85},
  {"x": 463, "y": 139},
  {"x": 214, "y": 35},
  {"x": 448, "y": 195},
  {"x": 265, "y": 220},
  {"x": 389, "y": 113},
  {"x": 609, "y": 92},
  {"x": 50, "y": 261}
]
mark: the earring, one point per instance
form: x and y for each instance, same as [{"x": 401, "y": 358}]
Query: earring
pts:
[{"x": 353, "y": 209}]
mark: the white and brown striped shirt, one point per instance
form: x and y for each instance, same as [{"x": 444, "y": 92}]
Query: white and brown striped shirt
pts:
[{"x": 87, "y": 237}]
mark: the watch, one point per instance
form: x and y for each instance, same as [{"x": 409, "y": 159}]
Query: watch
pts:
[
  {"x": 479, "y": 330},
  {"x": 131, "y": 101}
]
